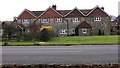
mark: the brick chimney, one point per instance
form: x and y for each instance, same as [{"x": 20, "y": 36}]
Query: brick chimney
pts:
[
  {"x": 54, "y": 7},
  {"x": 102, "y": 8}
]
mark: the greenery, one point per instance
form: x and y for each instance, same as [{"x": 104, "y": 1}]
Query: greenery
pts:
[
  {"x": 71, "y": 40},
  {"x": 85, "y": 40},
  {"x": 44, "y": 35}
]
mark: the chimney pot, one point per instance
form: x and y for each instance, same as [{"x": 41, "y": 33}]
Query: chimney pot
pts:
[
  {"x": 54, "y": 7},
  {"x": 102, "y": 8}
]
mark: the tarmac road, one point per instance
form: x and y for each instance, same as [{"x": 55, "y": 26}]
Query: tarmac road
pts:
[{"x": 75, "y": 54}]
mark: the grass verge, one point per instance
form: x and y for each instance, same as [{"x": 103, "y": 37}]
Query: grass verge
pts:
[{"x": 71, "y": 40}]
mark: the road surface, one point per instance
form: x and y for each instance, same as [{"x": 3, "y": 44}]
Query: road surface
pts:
[{"x": 75, "y": 54}]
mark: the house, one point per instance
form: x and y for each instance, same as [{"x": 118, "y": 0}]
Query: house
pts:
[
  {"x": 82, "y": 22},
  {"x": 118, "y": 24},
  {"x": 9, "y": 29},
  {"x": 114, "y": 28}
]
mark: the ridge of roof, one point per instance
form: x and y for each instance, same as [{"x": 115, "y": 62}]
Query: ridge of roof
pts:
[
  {"x": 37, "y": 13},
  {"x": 73, "y": 10},
  {"x": 52, "y": 9},
  {"x": 85, "y": 11},
  {"x": 96, "y": 8},
  {"x": 62, "y": 13}
]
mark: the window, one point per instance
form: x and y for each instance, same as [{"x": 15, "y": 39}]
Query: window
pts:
[
  {"x": 1, "y": 31},
  {"x": 27, "y": 30},
  {"x": 58, "y": 19},
  {"x": 76, "y": 19},
  {"x": 84, "y": 31},
  {"x": 97, "y": 19},
  {"x": 26, "y": 21},
  {"x": 73, "y": 31},
  {"x": 63, "y": 31},
  {"x": 45, "y": 20}
]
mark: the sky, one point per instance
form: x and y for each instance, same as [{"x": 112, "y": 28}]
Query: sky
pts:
[{"x": 12, "y": 8}]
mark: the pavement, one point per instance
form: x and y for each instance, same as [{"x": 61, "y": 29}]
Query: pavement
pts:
[{"x": 74, "y": 54}]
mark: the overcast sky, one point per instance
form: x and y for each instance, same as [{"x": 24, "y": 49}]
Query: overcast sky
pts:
[{"x": 11, "y": 8}]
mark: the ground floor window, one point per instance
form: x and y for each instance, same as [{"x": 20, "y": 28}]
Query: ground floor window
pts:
[
  {"x": 73, "y": 31},
  {"x": 27, "y": 30},
  {"x": 63, "y": 31},
  {"x": 84, "y": 30}
]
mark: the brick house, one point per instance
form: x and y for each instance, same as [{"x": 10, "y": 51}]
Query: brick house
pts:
[{"x": 67, "y": 22}]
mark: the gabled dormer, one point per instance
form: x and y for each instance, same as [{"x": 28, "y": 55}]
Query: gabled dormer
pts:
[
  {"x": 50, "y": 13},
  {"x": 26, "y": 14},
  {"x": 97, "y": 11},
  {"x": 74, "y": 13}
]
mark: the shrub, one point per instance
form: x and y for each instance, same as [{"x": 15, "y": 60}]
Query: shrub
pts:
[
  {"x": 45, "y": 35},
  {"x": 5, "y": 44}
]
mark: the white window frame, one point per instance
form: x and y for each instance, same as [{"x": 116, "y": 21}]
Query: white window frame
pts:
[
  {"x": 63, "y": 31},
  {"x": 73, "y": 31},
  {"x": 58, "y": 19},
  {"x": 97, "y": 18},
  {"x": 84, "y": 30},
  {"x": 45, "y": 20},
  {"x": 26, "y": 21},
  {"x": 27, "y": 31},
  {"x": 1, "y": 31},
  {"x": 76, "y": 19}
]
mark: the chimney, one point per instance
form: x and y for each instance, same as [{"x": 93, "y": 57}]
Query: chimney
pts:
[
  {"x": 102, "y": 8},
  {"x": 54, "y": 7}
]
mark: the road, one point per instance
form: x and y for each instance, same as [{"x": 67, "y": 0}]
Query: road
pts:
[{"x": 75, "y": 54}]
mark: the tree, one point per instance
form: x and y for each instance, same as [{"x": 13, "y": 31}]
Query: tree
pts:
[{"x": 44, "y": 35}]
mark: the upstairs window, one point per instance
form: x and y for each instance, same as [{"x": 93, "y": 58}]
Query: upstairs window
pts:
[
  {"x": 63, "y": 31},
  {"x": 26, "y": 21},
  {"x": 58, "y": 19},
  {"x": 84, "y": 31},
  {"x": 45, "y": 20},
  {"x": 97, "y": 18},
  {"x": 76, "y": 19}
]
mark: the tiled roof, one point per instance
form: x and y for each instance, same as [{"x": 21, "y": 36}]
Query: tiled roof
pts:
[
  {"x": 37, "y": 13},
  {"x": 85, "y": 11},
  {"x": 63, "y": 12},
  {"x": 84, "y": 24}
]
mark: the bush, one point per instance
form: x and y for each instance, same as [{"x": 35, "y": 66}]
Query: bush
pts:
[
  {"x": 28, "y": 37},
  {"x": 45, "y": 35},
  {"x": 5, "y": 44}
]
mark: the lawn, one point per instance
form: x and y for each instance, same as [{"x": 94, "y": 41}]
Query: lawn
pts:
[
  {"x": 85, "y": 40},
  {"x": 72, "y": 40}
]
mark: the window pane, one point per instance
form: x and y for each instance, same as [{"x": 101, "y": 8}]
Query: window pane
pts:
[
  {"x": 63, "y": 31},
  {"x": 45, "y": 20},
  {"x": 76, "y": 19},
  {"x": 58, "y": 19},
  {"x": 25, "y": 21},
  {"x": 97, "y": 18},
  {"x": 84, "y": 30}
]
